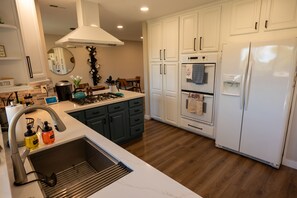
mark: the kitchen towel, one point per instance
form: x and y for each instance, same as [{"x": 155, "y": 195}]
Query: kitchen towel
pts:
[
  {"x": 198, "y": 73},
  {"x": 21, "y": 126},
  {"x": 189, "y": 69},
  {"x": 195, "y": 103}
]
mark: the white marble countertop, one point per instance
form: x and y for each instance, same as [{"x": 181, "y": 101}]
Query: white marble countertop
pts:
[{"x": 145, "y": 181}]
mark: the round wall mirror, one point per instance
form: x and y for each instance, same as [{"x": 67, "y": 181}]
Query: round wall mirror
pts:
[{"x": 60, "y": 60}]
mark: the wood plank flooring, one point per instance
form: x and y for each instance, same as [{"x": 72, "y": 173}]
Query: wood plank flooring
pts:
[{"x": 196, "y": 163}]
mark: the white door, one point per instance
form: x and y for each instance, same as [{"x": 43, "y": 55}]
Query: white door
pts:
[
  {"x": 188, "y": 33},
  {"x": 156, "y": 79},
  {"x": 268, "y": 99},
  {"x": 230, "y": 107},
  {"x": 209, "y": 29},
  {"x": 170, "y": 80},
  {"x": 245, "y": 16},
  {"x": 280, "y": 14},
  {"x": 170, "y": 39},
  {"x": 155, "y": 41}
]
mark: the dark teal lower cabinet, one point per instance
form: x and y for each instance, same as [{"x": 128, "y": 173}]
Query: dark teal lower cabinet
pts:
[
  {"x": 118, "y": 122},
  {"x": 79, "y": 115},
  {"x": 99, "y": 124}
]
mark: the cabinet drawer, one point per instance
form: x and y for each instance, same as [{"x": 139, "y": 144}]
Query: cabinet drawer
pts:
[
  {"x": 117, "y": 107},
  {"x": 136, "y": 130},
  {"x": 90, "y": 113},
  {"x": 136, "y": 119},
  {"x": 136, "y": 110},
  {"x": 135, "y": 102}
]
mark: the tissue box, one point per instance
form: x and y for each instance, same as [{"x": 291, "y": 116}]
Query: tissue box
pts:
[{"x": 6, "y": 82}]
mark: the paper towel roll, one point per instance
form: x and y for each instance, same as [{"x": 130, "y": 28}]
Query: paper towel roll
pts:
[{"x": 21, "y": 126}]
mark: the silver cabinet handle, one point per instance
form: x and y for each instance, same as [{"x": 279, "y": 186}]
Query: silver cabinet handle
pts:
[
  {"x": 256, "y": 25},
  {"x": 195, "y": 44},
  {"x": 165, "y": 69},
  {"x": 29, "y": 66},
  {"x": 164, "y": 53},
  {"x": 161, "y": 69},
  {"x": 266, "y": 24},
  {"x": 160, "y": 54},
  {"x": 200, "y": 45}
]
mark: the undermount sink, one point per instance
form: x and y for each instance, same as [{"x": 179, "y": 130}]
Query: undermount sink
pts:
[{"x": 81, "y": 167}]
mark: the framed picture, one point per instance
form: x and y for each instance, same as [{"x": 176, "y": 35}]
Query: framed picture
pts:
[{"x": 2, "y": 51}]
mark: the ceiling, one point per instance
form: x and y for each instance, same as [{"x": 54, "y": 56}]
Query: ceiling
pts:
[{"x": 58, "y": 20}]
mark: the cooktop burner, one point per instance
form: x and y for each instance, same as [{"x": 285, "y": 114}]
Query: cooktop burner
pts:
[{"x": 95, "y": 98}]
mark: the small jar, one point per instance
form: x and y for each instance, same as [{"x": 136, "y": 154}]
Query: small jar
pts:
[
  {"x": 48, "y": 135},
  {"x": 31, "y": 139}
]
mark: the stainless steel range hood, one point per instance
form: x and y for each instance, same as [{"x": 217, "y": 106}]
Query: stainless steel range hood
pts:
[{"x": 88, "y": 31}]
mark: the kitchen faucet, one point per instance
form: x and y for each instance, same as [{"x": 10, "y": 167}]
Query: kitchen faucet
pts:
[{"x": 20, "y": 175}]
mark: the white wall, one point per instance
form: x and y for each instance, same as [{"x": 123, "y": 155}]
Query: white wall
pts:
[{"x": 122, "y": 61}]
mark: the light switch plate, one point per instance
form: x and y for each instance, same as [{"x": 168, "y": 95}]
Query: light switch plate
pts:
[{"x": 43, "y": 88}]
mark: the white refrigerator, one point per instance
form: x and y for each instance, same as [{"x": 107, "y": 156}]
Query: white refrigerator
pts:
[{"x": 256, "y": 89}]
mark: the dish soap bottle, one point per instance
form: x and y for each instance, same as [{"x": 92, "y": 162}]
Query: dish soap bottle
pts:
[
  {"x": 31, "y": 139},
  {"x": 48, "y": 135}
]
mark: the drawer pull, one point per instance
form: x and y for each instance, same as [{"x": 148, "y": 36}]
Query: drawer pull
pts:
[
  {"x": 136, "y": 120},
  {"x": 137, "y": 130},
  {"x": 195, "y": 127},
  {"x": 117, "y": 107}
]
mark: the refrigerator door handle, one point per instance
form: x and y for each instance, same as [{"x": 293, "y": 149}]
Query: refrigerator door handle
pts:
[
  {"x": 243, "y": 87},
  {"x": 247, "y": 87}
]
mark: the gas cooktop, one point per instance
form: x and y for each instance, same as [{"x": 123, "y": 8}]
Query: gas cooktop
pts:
[{"x": 96, "y": 98}]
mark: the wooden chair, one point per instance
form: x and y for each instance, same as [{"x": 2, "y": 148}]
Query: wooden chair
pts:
[
  {"x": 123, "y": 84},
  {"x": 137, "y": 84}
]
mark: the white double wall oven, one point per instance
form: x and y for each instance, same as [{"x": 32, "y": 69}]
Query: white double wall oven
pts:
[{"x": 200, "y": 123}]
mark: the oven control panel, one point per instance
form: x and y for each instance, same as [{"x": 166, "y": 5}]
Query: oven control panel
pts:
[{"x": 199, "y": 58}]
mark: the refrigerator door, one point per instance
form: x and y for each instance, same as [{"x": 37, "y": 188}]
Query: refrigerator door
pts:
[
  {"x": 268, "y": 99},
  {"x": 230, "y": 102}
]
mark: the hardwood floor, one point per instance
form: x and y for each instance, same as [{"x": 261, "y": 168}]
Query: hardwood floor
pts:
[{"x": 195, "y": 162}]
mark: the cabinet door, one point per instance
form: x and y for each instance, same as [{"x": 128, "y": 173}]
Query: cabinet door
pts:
[
  {"x": 280, "y": 14},
  {"x": 99, "y": 124},
  {"x": 118, "y": 123},
  {"x": 155, "y": 41},
  {"x": 33, "y": 44},
  {"x": 170, "y": 81},
  {"x": 170, "y": 39},
  {"x": 188, "y": 33},
  {"x": 156, "y": 101},
  {"x": 245, "y": 16},
  {"x": 80, "y": 116},
  {"x": 209, "y": 29}
]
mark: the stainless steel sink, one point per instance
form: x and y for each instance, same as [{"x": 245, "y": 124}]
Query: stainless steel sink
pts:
[{"x": 82, "y": 168}]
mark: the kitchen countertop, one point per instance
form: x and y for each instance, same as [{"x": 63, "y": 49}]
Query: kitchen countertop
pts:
[{"x": 144, "y": 181}]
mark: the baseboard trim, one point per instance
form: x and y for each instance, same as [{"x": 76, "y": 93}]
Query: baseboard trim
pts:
[{"x": 290, "y": 163}]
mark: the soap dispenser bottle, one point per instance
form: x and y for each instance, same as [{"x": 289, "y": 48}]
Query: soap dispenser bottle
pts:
[
  {"x": 31, "y": 139},
  {"x": 48, "y": 135}
]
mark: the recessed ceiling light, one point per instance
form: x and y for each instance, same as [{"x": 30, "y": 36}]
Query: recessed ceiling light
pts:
[
  {"x": 144, "y": 9},
  {"x": 120, "y": 27},
  {"x": 141, "y": 37}
]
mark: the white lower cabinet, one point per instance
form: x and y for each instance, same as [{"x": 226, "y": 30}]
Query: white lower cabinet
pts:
[{"x": 164, "y": 91}]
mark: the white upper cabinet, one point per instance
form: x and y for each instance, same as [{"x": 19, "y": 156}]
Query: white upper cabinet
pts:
[
  {"x": 200, "y": 31},
  {"x": 276, "y": 14},
  {"x": 31, "y": 35},
  {"x": 280, "y": 14},
  {"x": 163, "y": 40},
  {"x": 209, "y": 29},
  {"x": 188, "y": 33},
  {"x": 245, "y": 16}
]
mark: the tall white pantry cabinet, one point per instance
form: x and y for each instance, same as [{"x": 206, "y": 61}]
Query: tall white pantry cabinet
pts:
[
  {"x": 25, "y": 59},
  {"x": 163, "y": 59}
]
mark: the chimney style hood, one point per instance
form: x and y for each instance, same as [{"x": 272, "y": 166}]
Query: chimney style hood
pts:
[{"x": 88, "y": 31}]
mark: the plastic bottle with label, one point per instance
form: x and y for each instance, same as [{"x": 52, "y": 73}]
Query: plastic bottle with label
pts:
[
  {"x": 48, "y": 135},
  {"x": 31, "y": 139}
]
